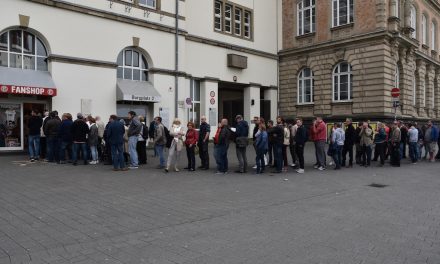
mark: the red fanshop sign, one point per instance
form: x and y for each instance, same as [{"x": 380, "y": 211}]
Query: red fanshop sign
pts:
[{"x": 28, "y": 90}]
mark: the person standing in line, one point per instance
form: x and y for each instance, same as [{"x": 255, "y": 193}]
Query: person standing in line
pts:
[
  {"x": 278, "y": 135},
  {"x": 92, "y": 140},
  {"x": 115, "y": 140},
  {"x": 286, "y": 143},
  {"x": 79, "y": 130},
  {"x": 338, "y": 138},
  {"x": 43, "y": 141},
  {"x": 420, "y": 143},
  {"x": 301, "y": 138},
  {"x": 160, "y": 140},
  {"x": 320, "y": 134},
  {"x": 101, "y": 128},
  {"x": 151, "y": 131},
  {"x": 403, "y": 140},
  {"x": 176, "y": 132},
  {"x": 293, "y": 128},
  {"x": 431, "y": 138},
  {"x": 108, "y": 150},
  {"x": 191, "y": 139},
  {"x": 271, "y": 142},
  {"x": 261, "y": 146},
  {"x": 51, "y": 128},
  {"x": 241, "y": 143},
  {"x": 141, "y": 146},
  {"x": 395, "y": 145},
  {"x": 357, "y": 141},
  {"x": 380, "y": 142},
  {"x": 365, "y": 143},
  {"x": 203, "y": 143},
  {"x": 34, "y": 125},
  {"x": 256, "y": 122},
  {"x": 413, "y": 138},
  {"x": 134, "y": 129},
  {"x": 65, "y": 136},
  {"x": 221, "y": 141},
  {"x": 350, "y": 138}
]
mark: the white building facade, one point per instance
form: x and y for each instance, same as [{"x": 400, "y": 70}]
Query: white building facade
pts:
[{"x": 105, "y": 57}]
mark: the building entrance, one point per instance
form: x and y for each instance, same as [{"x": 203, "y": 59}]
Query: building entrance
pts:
[{"x": 230, "y": 104}]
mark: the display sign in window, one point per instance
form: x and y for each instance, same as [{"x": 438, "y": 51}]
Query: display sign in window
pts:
[{"x": 10, "y": 126}]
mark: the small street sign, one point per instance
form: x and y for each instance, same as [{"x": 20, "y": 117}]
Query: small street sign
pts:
[{"x": 395, "y": 92}]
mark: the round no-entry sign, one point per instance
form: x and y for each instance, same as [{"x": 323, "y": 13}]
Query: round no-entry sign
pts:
[{"x": 395, "y": 92}]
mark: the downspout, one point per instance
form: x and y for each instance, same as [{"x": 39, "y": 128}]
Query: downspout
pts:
[
  {"x": 176, "y": 67},
  {"x": 278, "y": 61}
]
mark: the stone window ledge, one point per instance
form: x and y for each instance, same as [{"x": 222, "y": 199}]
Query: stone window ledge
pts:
[
  {"x": 393, "y": 19},
  {"x": 308, "y": 35},
  {"x": 304, "y": 104},
  {"x": 350, "y": 25},
  {"x": 342, "y": 102}
]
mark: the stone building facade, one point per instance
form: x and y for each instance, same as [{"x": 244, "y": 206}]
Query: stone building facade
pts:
[{"x": 341, "y": 58}]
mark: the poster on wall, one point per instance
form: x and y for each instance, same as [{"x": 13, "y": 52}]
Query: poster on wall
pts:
[
  {"x": 165, "y": 114},
  {"x": 10, "y": 125},
  {"x": 213, "y": 117}
]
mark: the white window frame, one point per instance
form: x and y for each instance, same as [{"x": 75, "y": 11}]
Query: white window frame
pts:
[
  {"x": 247, "y": 20},
  {"x": 300, "y": 11},
  {"x": 228, "y": 20},
  {"x": 22, "y": 53},
  {"x": 335, "y": 6},
  {"x": 413, "y": 21},
  {"x": 433, "y": 35},
  {"x": 132, "y": 67},
  {"x": 301, "y": 87},
  {"x": 237, "y": 22},
  {"x": 337, "y": 73},
  {"x": 424, "y": 30},
  {"x": 147, "y": 5},
  {"x": 218, "y": 15},
  {"x": 397, "y": 76}
]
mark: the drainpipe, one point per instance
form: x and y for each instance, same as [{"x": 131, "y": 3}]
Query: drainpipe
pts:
[
  {"x": 278, "y": 59},
  {"x": 176, "y": 67}
]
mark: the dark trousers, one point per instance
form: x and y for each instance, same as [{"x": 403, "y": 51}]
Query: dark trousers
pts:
[
  {"x": 79, "y": 147},
  {"x": 66, "y": 146},
  {"x": 141, "y": 149},
  {"x": 366, "y": 155},
  {"x": 190, "y": 154},
  {"x": 395, "y": 154},
  {"x": 271, "y": 150},
  {"x": 402, "y": 150},
  {"x": 221, "y": 157},
  {"x": 358, "y": 154},
  {"x": 347, "y": 149},
  {"x": 118, "y": 156},
  {"x": 242, "y": 159},
  {"x": 380, "y": 150},
  {"x": 278, "y": 156},
  {"x": 53, "y": 146},
  {"x": 204, "y": 155},
  {"x": 285, "y": 155},
  {"x": 337, "y": 155},
  {"x": 259, "y": 160},
  {"x": 299, "y": 149},
  {"x": 99, "y": 148},
  {"x": 293, "y": 153},
  {"x": 43, "y": 147}
]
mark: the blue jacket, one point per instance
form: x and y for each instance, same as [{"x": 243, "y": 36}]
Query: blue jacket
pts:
[
  {"x": 242, "y": 129},
  {"x": 261, "y": 141},
  {"x": 434, "y": 133},
  {"x": 381, "y": 136},
  {"x": 115, "y": 133},
  {"x": 65, "y": 133}
]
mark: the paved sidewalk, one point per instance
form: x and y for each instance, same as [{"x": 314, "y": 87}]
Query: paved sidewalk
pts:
[{"x": 89, "y": 214}]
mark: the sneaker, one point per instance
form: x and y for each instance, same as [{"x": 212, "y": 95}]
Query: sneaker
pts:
[
  {"x": 254, "y": 167},
  {"x": 219, "y": 172},
  {"x": 116, "y": 169},
  {"x": 321, "y": 168},
  {"x": 331, "y": 163},
  {"x": 316, "y": 166},
  {"x": 133, "y": 167},
  {"x": 160, "y": 167},
  {"x": 176, "y": 170},
  {"x": 124, "y": 169},
  {"x": 62, "y": 162},
  {"x": 192, "y": 170},
  {"x": 300, "y": 171},
  {"x": 293, "y": 165},
  {"x": 166, "y": 170},
  {"x": 32, "y": 160},
  {"x": 92, "y": 162},
  {"x": 414, "y": 163}
]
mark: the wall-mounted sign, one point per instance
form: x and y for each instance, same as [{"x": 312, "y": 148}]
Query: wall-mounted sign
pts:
[
  {"x": 212, "y": 94},
  {"x": 13, "y": 89},
  {"x": 212, "y": 101}
]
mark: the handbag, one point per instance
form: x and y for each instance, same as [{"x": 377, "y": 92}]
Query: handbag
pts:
[
  {"x": 196, "y": 150},
  {"x": 331, "y": 150}
]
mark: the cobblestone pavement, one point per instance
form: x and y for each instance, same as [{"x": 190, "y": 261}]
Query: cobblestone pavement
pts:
[{"x": 88, "y": 214}]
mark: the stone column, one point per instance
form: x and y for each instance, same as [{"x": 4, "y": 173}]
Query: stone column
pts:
[
  {"x": 406, "y": 59},
  {"x": 437, "y": 93},
  {"x": 251, "y": 104},
  {"x": 430, "y": 75},
  {"x": 208, "y": 103},
  {"x": 420, "y": 87},
  {"x": 407, "y": 13}
]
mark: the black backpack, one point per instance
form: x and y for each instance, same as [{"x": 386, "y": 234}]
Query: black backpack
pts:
[
  {"x": 167, "y": 137},
  {"x": 145, "y": 132}
]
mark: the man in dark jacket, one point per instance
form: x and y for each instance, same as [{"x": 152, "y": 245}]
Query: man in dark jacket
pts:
[
  {"x": 51, "y": 131},
  {"x": 205, "y": 130},
  {"x": 221, "y": 146},
  {"x": 115, "y": 139},
  {"x": 134, "y": 130},
  {"x": 350, "y": 138},
  {"x": 301, "y": 138},
  {"x": 79, "y": 132},
  {"x": 241, "y": 142},
  {"x": 271, "y": 142},
  {"x": 278, "y": 136},
  {"x": 34, "y": 125},
  {"x": 65, "y": 136},
  {"x": 357, "y": 141}
]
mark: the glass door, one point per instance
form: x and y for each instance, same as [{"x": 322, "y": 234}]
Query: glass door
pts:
[{"x": 11, "y": 127}]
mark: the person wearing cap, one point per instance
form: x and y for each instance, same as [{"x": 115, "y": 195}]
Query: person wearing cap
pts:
[
  {"x": 79, "y": 130},
  {"x": 241, "y": 142},
  {"x": 134, "y": 130}
]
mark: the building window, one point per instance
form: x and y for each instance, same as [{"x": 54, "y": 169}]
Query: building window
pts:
[
  {"x": 342, "y": 82},
  {"x": 424, "y": 31},
  {"x": 306, "y": 17},
  {"x": 132, "y": 65},
  {"x": 433, "y": 36},
  {"x": 342, "y": 12},
  {"x": 194, "y": 111},
  {"x": 397, "y": 8},
  {"x": 23, "y": 50},
  {"x": 233, "y": 19},
  {"x": 413, "y": 22},
  {"x": 305, "y": 86},
  {"x": 148, "y": 3},
  {"x": 397, "y": 77}
]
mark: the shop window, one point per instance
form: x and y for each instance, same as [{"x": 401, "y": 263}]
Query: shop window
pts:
[
  {"x": 132, "y": 65},
  {"x": 22, "y": 49},
  {"x": 194, "y": 111}
]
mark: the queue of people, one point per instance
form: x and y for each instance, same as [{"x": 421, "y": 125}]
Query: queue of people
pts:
[{"x": 123, "y": 143}]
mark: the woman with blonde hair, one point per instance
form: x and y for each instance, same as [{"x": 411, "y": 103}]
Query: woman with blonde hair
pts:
[{"x": 176, "y": 132}]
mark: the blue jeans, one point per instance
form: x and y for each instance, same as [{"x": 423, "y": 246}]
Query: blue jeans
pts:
[
  {"x": 118, "y": 156},
  {"x": 414, "y": 151},
  {"x": 221, "y": 157},
  {"x": 402, "y": 150},
  {"x": 94, "y": 152},
  {"x": 337, "y": 155},
  {"x": 83, "y": 148},
  {"x": 52, "y": 143},
  {"x": 132, "y": 143},
  {"x": 65, "y": 145},
  {"x": 34, "y": 146},
  {"x": 278, "y": 156},
  {"x": 159, "y": 151},
  {"x": 259, "y": 160}
]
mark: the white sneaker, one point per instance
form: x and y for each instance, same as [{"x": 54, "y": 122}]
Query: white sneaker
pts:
[
  {"x": 293, "y": 165},
  {"x": 331, "y": 163},
  {"x": 300, "y": 171},
  {"x": 254, "y": 167},
  {"x": 321, "y": 168},
  {"x": 316, "y": 167},
  {"x": 92, "y": 162}
]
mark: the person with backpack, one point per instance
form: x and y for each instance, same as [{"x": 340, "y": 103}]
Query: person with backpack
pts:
[
  {"x": 51, "y": 127},
  {"x": 160, "y": 141},
  {"x": 241, "y": 142},
  {"x": 141, "y": 146},
  {"x": 151, "y": 131},
  {"x": 134, "y": 129},
  {"x": 115, "y": 140},
  {"x": 301, "y": 138}
]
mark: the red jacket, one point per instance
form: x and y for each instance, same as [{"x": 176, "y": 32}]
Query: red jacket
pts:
[
  {"x": 320, "y": 131},
  {"x": 192, "y": 136}
]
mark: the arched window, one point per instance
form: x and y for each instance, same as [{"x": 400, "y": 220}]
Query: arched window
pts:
[
  {"x": 413, "y": 21},
  {"x": 306, "y": 17},
  {"x": 342, "y": 82},
  {"x": 132, "y": 65},
  {"x": 397, "y": 77},
  {"x": 342, "y": 12},
  {"x": 433, "y": 36},
  {"x": 424, "y": 30},
  {"x": 22, "y": 49},
  {"x": 305, "y": 86}
]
